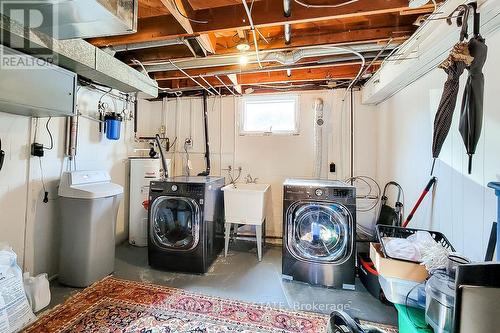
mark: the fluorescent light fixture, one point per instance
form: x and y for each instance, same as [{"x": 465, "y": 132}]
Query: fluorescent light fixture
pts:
[
  {"x": 243, "y": 60},
  {"x": 417, "y": 3}
]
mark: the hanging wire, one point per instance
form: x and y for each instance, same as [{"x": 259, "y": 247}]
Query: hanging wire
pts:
[
  {"x": 345, "y": 3},
  {"x": 361, "y": 69},
  {"x": 50, "y": 134},
  {"x": 252, "y": 28},
  {"x": 187, "y": 18}
]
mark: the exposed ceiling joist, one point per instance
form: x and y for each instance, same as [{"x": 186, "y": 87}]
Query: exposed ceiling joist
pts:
[
  {"x": 270, "y": 13},
  {"x": 374, "y": 35},
  {"x": 300, "y": 75},
  {"x": 180, "y": 15},
  {"x": 251, "y": 68},
  {"x": 264, "y": 13},
  {"x": 234, "y": 81}
]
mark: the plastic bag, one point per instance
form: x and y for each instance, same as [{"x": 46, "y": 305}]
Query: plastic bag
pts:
[
  {"x": 37, "y": 290},
  {"x": 15, "y": 311},
  {"x": 401, "y": 248}
]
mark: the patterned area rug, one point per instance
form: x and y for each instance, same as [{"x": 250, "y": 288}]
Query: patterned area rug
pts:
[{"x": 114, "y": 305}]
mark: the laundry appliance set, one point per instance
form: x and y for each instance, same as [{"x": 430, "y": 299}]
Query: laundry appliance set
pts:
[{"x": 185, "y": 230}]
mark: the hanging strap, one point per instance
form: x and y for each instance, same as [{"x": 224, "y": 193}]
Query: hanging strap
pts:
[
  {"x": 462, "y": 20},
  {"x": 477, "y": 18}
]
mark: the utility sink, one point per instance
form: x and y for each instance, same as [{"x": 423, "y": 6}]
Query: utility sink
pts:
[{"x": 245, "y": 203}]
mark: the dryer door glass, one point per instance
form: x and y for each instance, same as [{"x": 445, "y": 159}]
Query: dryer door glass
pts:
[
  {"x": 320, "y": 232},
  {"x": 175, "y": 223}
]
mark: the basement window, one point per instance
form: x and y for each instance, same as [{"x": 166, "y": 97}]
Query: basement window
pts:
[{"x": 269, "y": 115}]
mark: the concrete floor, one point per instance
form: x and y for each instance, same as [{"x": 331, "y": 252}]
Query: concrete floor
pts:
[{"x": 241, "y": 277}]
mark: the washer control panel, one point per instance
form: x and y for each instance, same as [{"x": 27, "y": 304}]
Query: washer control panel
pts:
[
  {"x": 178, "y": 189},
  {"x": 319, "y": 193}
]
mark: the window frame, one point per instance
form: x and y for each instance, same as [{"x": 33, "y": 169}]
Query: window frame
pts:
[{"x": 270, "y": 98}]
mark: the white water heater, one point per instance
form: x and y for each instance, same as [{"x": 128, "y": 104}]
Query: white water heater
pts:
[{"x": 142, "y": 172}]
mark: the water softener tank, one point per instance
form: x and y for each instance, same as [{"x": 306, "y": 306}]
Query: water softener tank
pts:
[{"x": 89, "y": 209}]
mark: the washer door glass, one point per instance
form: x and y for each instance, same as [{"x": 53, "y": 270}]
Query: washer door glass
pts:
[
  {"x": 175, "y": 223},
  {"x": 319, "y": 232}
]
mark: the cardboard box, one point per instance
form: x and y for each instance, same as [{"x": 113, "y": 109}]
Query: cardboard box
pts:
[{"x": 394, "y": 268}]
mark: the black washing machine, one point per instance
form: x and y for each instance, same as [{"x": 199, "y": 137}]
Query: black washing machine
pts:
[
  {"x": 319, "y": 232},
  {"x": 186, "y": 227}
]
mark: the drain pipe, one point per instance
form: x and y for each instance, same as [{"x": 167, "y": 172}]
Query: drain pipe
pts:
[
  {"x": 318, "y": 136},
  {"x": 207, "y": 143},
  {"x": 163, "y": 162},
  {"x": 252, "y": 28}
]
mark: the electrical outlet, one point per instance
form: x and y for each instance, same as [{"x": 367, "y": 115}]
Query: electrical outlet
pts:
[{"x": 37, "y": 149}]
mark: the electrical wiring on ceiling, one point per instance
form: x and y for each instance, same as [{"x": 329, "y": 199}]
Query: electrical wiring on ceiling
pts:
[
  {"x": 361, "y": 69},
  {"x": 254, "y": 34},
  {"x": 345, "y": 3},
  {"x": 187, "y": 18}
]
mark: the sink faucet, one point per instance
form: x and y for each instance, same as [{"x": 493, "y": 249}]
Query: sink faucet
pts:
[{"x": 250, "y": 180}]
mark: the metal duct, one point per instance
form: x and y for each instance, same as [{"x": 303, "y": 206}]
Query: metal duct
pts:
[
  {"x": 147, "y": 45},
  {"x": 318, "y": 136},
  {"x": 79, "y": 57},
  {"x": 285, "y": 58},
  {"x": 79, "y": 18}
]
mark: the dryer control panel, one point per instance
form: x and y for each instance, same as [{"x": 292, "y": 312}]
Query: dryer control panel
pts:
[
  {"x": 319, "y": 193},
  {"x": 178, "y": 189}
]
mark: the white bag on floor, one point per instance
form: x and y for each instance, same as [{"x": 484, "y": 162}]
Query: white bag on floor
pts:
[
  {"x": 15, "y": 311},
  {"x": 37, "y": 290}
]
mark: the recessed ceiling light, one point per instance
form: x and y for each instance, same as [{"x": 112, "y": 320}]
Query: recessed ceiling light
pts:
[
  {"x": 243, "y": 45},
  {"x": 417, "y": 3}
]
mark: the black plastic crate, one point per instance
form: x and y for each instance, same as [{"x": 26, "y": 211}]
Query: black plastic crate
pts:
[{"x": 400, "y": 232}]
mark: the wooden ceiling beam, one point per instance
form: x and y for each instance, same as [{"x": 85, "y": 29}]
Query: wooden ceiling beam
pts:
[
  {"x": 298, "y": 75},
  {"x": 155, "y": 28},
  {"x": 250, "y": 68},
  {"x": 376, "y": 35},
  {"x": 180, "y": 15},
  {"x": 270, "y": 12},
  {"x": 265, "y": 13}
]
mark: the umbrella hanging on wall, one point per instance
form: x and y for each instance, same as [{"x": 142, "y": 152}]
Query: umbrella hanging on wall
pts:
[
  {"x": 471, "y": 116},
  {"x": 454, "y": 66}
]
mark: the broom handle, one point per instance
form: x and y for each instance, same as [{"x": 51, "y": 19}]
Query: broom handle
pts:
[{"x": 419, "y": 201}]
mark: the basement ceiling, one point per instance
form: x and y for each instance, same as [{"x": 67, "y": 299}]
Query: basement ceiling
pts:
[{"x": 188, "y": 30}]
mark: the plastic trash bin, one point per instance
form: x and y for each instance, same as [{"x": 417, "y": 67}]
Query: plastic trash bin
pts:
[{"x": 89, "y": 207}]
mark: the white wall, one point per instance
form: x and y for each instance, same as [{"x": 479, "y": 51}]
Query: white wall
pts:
[
  {"x": 271, "y": 159},
  {"x": 28, "y": 224},
  {"x": 462, "y": 206}
]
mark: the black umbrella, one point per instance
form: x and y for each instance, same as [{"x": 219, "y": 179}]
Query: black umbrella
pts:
[
  {"x": 454, "y": 66},
  {"x": 471, "y": 116}
]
